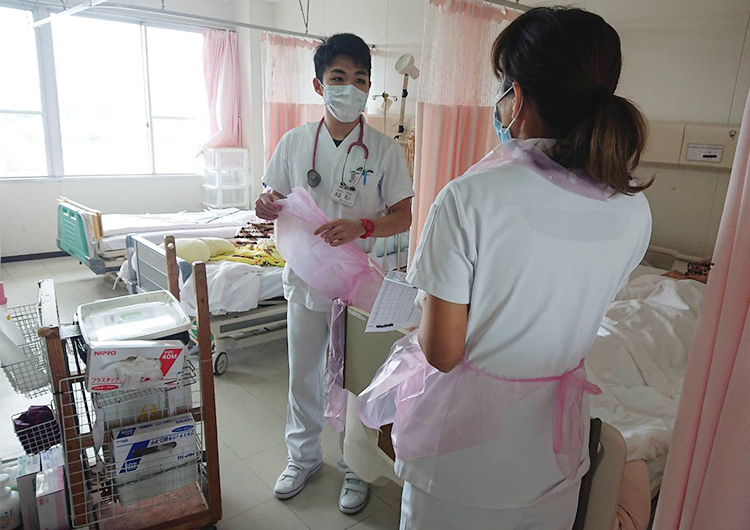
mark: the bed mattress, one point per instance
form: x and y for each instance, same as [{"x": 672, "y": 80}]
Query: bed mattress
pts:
[
  {"x": 117, "y": 243},
  {"x": 210, "y": 223}
]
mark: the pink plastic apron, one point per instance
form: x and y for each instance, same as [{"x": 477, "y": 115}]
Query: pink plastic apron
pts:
[
  {"x": 335, "y": 413},
  {"x": 435, "y": 413},
  {"x": 343, "y": 272}
]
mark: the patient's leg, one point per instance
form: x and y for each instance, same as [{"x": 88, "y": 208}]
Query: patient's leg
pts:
[{"x": 634, "y": 506}]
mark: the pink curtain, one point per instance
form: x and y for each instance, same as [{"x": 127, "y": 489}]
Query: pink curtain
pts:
[
  {"x": 451, "y": 139},
  {"x": 708, "y": 471},
  {"x": 221, "y": 67},
  {"x": 288, "y": 96},
  {"x": 454, "y": 105}
]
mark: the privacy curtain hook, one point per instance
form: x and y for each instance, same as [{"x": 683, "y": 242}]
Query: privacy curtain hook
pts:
[{"x": 305, "y": 18}]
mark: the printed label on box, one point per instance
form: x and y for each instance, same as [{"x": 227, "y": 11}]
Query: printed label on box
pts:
[{"x": 129, "y": 365}]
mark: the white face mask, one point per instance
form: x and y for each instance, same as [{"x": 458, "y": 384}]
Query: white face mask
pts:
[{"x": 345, "y": 102}]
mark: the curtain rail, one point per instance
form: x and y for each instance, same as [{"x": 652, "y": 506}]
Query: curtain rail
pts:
[
  {"x": 509, "y": 4},
  {"x": 187, "y": 16}
]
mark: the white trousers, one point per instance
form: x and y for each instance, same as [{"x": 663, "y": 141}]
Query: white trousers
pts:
[
  {"x": 308, "y": 335},
  {"x": 420, "y": 511}
]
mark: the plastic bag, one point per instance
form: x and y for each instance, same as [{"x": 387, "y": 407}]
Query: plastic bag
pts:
[{"x": 343, "y": 272}]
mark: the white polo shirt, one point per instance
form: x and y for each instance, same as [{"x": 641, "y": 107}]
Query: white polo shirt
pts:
[{"x": 387, "y": 183}]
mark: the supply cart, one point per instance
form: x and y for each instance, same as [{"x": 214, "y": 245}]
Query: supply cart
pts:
[{"x": 183, "y": 492}]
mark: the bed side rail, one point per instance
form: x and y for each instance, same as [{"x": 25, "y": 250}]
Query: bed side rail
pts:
[
  {"x": 392, "y": 252},
  {"x": 148, "y": 266}
]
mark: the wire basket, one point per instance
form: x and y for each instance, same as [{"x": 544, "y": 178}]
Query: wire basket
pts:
[
  {"x": 30, "y": 377},
  {"x": 100, "y": 493},
  {"x": 38, "y": 438}
]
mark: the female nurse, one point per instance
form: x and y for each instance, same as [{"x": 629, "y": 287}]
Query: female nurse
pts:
[{"x": 519, "y": 259}]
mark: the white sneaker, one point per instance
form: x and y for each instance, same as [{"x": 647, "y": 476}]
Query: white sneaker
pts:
[
  {"x": 293, "y": 480},
  {"x": 354, "y": 494}
]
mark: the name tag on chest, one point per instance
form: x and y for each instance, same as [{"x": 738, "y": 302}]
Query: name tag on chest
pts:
[{"x": 344, "y": 195}]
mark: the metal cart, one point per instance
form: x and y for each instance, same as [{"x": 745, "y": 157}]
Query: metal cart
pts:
[{"x": 187, "y": 496}]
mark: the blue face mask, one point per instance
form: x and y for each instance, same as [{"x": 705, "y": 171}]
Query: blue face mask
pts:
[{"x": 503, "y": 133}]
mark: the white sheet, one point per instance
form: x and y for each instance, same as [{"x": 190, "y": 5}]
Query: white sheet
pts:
[
  {"x": 119, "y": 224},
  {"x": 234, "y": 287},
  {"x": 117, "y": 243},
  {"x": 639, "y": 360}
]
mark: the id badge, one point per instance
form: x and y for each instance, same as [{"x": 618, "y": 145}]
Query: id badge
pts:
[{"x": 344, "y": 195}]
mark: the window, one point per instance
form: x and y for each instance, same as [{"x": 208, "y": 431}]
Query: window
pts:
[
  {"x": 22, "y": 151},
  {"x": 179, "y": 114},
  {"x": 130, "y": 98},
  {"x": 100, "y": 87}
]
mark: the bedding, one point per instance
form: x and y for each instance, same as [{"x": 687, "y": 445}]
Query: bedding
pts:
[
  {"x": 253, "y": 232},
  {"x": 117, "y": 243},
  {"x": 222, "y": 223},
  {"x": 639, "y": 360},
  {"x": 201, "y": 248},
  {"x": 234, "y": 287},
  {"x": 114, "y": 224},
  {"x": 262, "y": 252}
]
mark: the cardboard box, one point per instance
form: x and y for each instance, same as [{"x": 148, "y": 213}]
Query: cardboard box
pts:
[
  {"x": 158, "y": 484},
  {"x": 134, "y": 364},
  {"x": 28, "y": 467},
  {"x": 150, "y": 448},
  {"x": 51, "y": 504}
]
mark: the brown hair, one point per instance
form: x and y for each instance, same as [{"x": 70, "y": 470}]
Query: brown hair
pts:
[{"x": 569, "y": 61}]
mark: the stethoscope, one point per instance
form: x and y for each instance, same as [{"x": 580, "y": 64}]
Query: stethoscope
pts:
[{"x": 313, "y": 177}]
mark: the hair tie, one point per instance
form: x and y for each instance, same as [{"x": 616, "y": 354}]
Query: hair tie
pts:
[{"x": 603, "y": 92}]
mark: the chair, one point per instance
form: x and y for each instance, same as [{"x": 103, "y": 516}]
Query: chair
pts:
[{"x": 600, "y": 486}]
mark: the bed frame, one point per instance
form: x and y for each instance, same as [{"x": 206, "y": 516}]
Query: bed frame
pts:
[{"x": 79, "y": 230}]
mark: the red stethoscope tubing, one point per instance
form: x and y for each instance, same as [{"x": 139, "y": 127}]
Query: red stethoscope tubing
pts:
[{"x": 358, "y": 143}]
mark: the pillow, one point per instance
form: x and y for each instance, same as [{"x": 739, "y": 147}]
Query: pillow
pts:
[
  {"x": 191, "y": 250},
  {"x": 218, "y": 246}
]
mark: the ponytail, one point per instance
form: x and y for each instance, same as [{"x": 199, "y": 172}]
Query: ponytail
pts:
[
  {"x": 607, "y": 143},
  {"x": 568, "y": 61}
]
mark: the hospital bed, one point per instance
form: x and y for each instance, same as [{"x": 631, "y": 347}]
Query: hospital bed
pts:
[
  {"x": 99, "y": 240},
  {"x": 639, "y": 361},
  {"x": 152, "y": 268},
  {"x": 369, "y": 453}
]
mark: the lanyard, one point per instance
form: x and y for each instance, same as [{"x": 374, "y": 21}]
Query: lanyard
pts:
[{"x": 313, "y": 177}]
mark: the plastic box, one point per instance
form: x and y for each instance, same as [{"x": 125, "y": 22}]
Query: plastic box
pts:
[
  {"x": 225, "y": 178},
  {"x": 223, "y": 198},
  {"x": 143, "y": 316},
  {"x": 226, "y": 158}
]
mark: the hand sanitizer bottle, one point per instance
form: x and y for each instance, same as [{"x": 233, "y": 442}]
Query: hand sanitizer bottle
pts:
[
  {"x": 7, "y": 326},
  {"x": 10, "y": 506}
]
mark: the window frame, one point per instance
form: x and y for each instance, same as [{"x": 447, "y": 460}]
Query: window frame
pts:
[{"x": 50, "y": 110}]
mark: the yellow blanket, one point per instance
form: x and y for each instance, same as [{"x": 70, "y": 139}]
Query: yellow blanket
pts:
[{"x": 261, "y": 254}]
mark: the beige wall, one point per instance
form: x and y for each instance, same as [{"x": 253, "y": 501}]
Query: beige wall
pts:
[{"x": 684, "y": 60}]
